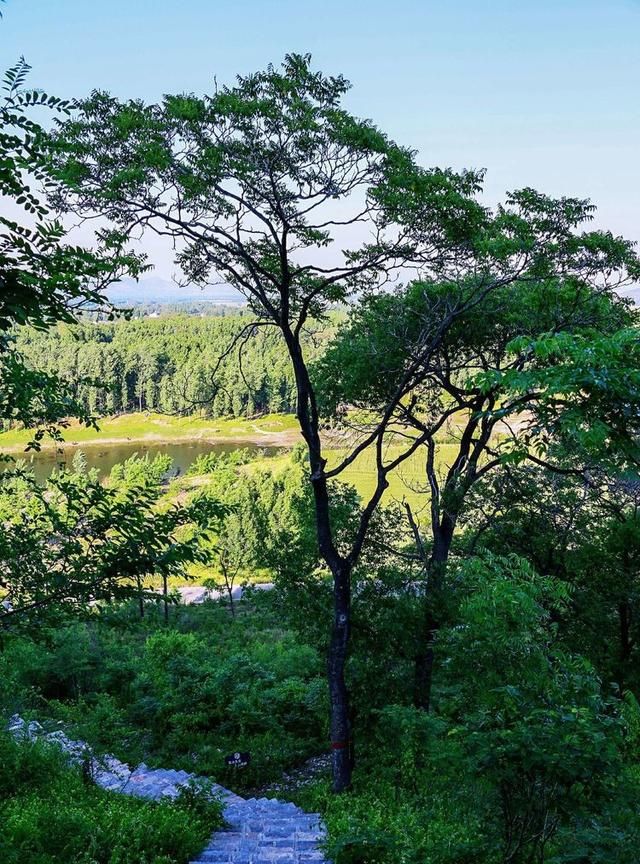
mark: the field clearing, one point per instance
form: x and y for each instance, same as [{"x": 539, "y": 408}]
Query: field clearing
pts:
[{"x": 407, "y": 483}]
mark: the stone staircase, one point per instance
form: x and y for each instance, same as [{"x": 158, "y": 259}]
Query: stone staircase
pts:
[
  {"x": 259, "y": 831},
  {"x": 265, "y": 831}
]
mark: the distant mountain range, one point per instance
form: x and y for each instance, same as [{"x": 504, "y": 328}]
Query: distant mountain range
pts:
[{"x": 156, "y": 290}]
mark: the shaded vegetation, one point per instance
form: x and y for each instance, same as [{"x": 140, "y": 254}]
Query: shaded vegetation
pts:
[
  {"x": 51, "y": 815},
  {"x": 183, "y": 697}
]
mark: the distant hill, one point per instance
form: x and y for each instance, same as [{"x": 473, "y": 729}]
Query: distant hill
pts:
[
  {"x": 163, "y": 291},
  {"x": 155, "y": 291}
]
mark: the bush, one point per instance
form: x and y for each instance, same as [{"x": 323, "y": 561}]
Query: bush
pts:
[
  {"x": 380, "y": 823},
  {"x": 51, "y": 815},
  {"x": 183, "y": 696},
  {"x": 207, "y": 463}
]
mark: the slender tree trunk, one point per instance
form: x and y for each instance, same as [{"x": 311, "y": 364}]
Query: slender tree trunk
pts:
[
  {"x": 624, "y": 618},
  {"x": 340, "y": 721},
  {"x": 423, "y": 667},
  {"x": 165, "y": 598},
  {"x": 340, "y": 713},
  {"x": 228, "y": 581},
  {"x": 140, "y": 599},
  {"x": 231, "y": 602}
]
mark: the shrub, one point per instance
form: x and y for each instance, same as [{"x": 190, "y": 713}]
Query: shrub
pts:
[
  {"x": 183, "y": 696},
  {"x": 51, "y": 815}
]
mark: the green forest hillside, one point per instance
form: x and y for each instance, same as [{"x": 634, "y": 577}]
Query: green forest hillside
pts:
[{"x": 174, "y": 363}]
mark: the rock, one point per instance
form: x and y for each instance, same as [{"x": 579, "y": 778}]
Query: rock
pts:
[
  {"x": 34, "y": 730},
  {"x": 17, "y": 725}
]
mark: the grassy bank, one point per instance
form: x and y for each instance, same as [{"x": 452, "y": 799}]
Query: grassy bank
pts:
[
  {"x": 150, "y": 427},
  {"x": 273, "y": 429},
  {"x": 408, "y": 482}
]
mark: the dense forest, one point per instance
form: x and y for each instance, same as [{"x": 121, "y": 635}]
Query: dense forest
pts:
[
  {"x": 176, "y": 363},
  {"x": 448, "y": 676}
]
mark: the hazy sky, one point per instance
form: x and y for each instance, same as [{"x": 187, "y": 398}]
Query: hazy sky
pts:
[{"x": 542, "y": 93}]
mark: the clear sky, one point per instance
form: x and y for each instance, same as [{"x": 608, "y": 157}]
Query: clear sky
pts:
[{"x": 542, "y": 93}]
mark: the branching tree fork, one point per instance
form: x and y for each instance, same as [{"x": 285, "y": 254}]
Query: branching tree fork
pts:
[{"x": 492, "y": 383}]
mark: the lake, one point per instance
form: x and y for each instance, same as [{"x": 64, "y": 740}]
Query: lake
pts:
[{"x": 105, "y": 456}]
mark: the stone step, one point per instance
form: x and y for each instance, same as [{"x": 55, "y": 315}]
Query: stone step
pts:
[{"x": 261, "y": 830}]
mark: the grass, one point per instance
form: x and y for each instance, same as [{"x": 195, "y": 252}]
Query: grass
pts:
[
  {"x": 408, "y": 482},
  {"x": 147, "y": 426},
  {"x": 405, "y": 484}
]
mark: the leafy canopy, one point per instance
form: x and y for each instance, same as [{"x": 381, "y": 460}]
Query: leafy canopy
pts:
[{"x": 43, "y": 279}]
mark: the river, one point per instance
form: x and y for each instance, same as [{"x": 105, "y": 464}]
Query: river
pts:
[{"x": 105, "y": 456}]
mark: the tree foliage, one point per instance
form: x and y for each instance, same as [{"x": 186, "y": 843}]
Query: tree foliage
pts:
[
  {"x": 43, "y": 278},
  {"x": 261, "y": 185},
  {"x": 75, "y": 542},
  {"x": 170, "y": 364}
]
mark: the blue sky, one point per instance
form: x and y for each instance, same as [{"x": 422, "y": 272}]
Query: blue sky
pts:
[{"x": 542, "y": 93}]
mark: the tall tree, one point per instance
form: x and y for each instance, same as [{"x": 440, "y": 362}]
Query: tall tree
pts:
[
  {"x": 261, "y": 185},
  {"x": 499, "y": 387}
]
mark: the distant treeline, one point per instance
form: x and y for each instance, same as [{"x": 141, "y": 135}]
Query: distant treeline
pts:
[
  {"x": 204, "y": 308},
  {"x": 171, "y": 363}
]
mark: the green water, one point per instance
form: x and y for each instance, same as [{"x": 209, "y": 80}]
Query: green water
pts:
[{"x": 104, "y": 457}]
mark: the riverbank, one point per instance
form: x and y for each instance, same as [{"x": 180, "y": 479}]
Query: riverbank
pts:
[
  {"x": 273, "y": 430},
  {"x": 118, "y": 437}
]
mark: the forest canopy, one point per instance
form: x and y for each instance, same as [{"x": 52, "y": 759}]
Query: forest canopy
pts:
[{"x": 171, "y": 364}]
